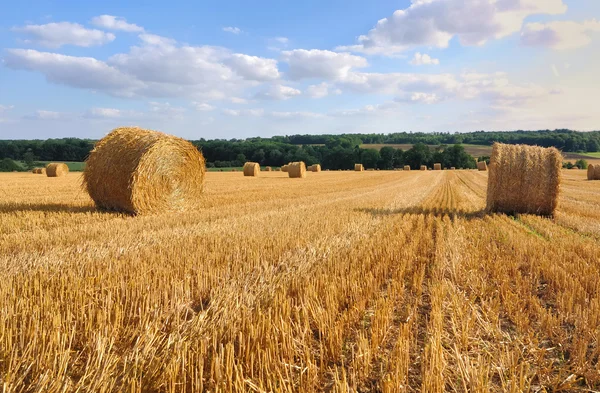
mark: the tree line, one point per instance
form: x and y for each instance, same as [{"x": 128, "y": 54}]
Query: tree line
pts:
[{"x": 331, "y": 151}]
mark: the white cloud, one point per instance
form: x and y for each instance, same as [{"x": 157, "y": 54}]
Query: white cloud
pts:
[
  {"x": 253, "y": 67},
  {"x": 232, "y": 30},
  {"x": 278, "y": 92},
  {"x": 559, "y": 35},
  {"x": 203, "y": 107},
  {"x": 46, "y": 115},
  {"x": 111, "y": 22},
  {"x": 435, "y": 22},
  {"x": 166, "y": 110},
  {"x": 296, "y": 115},
  {"x": 384, "y": 109},
  {"x": 424, "y": 59},
  {"x": 110, "y": 113},
  {"x": 55, "y": 35},
  {"x": 555, "y": 70},
  {"x": 243, "y": 112},
  {"x": 80, "y": 72},
  {"x": 282, "y": 40},
  {"x": 5, "y": 108},
  {"x": 238, "y": 100},
  {"x": 323, "y": 64},
  {"x": 321, "y": 90},
  {"x": 424, "y": 98}
]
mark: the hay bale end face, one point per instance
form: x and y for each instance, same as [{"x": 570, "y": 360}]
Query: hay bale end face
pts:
[
  {"x": 251, "y": 169},
  {"x": 314, "y": 168},
  {"x": 57, "y": 169},
  {"x": 407, "y": 167},
  {"x": 296, "y": 170},
  {"x": 423, "y": 168},
  {"x": 482, "y": 166},
  {"x": 437, "y": 167},
  {"x": 524, "y": 179},
  {"x": 359, "y": 167},
  {"x": 143, "y": 172}
]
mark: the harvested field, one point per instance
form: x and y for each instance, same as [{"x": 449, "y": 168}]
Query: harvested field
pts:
[{"x": 383, "y": 281}]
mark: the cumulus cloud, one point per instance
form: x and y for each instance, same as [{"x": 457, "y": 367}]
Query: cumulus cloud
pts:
[
  {"x": 435, "y": 22},
  {"x": 278, "y": 92},
  {"x": 55, "y": 35},
  {"x": 111, "y": 22},
  {"x": 46, "y": 115},
  {"x": 560, "y": 35},
  {"x": 253, "y": 67},
  {"x": 321, "y": 90},
  {"x": 424, "y": 98},
  {"x": 203, "y": 107},
  {"x": 158, "y": 67},
  {"x": 324, "y": 64},
  {"x": 424, "y": 59},
  {"x": 232, "y": 30},
  {"x": 110, "y": 113},
  {"x": 296, "y": 115},
  {"x": 243, "y": 112}
]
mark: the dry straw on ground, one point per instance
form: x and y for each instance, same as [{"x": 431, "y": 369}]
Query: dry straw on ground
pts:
[
  {"x": 57, "y": 169},
  {"x": 407, "y": 167},
  {"x": 314, "y": 168},
  {"x": 423, "y": 167},
  {"x": 524, "y": 179},
  {"x": 251, "y": 169},
  {"x": 437, "y": 167},
  {"x": 359, "y": 167},
  {"x": 141, "y": 171},
  {"x": 297, "y": 169},
  {"x": 482, "y": 166}
]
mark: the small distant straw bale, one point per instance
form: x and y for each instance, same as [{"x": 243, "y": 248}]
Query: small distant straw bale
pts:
[
  {"x": 251, "y": 169},
  {"x": 314, "y": 168},
  {"x": 482, "y": 166},
  {"x": 56, "y": 169},
  {"x": 296, "y": 169},
  {"x": 285, "y": 168},
  {"x": 452, "y": 168},
  {"x": 437, "y": 167},
  {"x": 524, "y": 179},
  {"x": 407, "y": 167},
  {"x": 423, "y": 167},
  {"x": 359, "y": 167},
  {"x": 141, "y": 171},
  {"x": 268, "y": 169}
]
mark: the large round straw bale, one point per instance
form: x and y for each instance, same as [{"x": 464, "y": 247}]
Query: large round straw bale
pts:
[
  {"x": 314, "y": 168},
  {"x": 296, "y": 169},
  {"x": 359, "y": 167},
  {"x": 251, "y": 169},
  {"x": 524, "y": 179},
  {"x": 56, "y": 169},
  {"x": 268, "y": 169},
  {"x": 141, "y": 171},
  {"x": 481, "y": 166},
  {"x": 423, "y": 167},
  {"x": 437, "y": 167},
  {"x": 407, "y": 167}
]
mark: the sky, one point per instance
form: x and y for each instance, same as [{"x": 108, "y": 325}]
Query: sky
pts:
[{"x": 238, "y": 69}]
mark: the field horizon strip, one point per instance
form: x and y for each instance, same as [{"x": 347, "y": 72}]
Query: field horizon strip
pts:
[{"x": 380, "y": 281}]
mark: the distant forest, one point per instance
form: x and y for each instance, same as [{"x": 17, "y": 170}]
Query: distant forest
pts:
[{"x": 332, "y": 151}]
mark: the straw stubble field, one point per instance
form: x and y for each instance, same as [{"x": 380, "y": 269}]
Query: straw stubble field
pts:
[{"x": 343, "y": 281}]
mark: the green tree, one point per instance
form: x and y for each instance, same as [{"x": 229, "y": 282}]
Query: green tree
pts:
[
  {"x": 8, "y": 165},
  {"x": 369, "y": 158},
  {"x": 29, "y": 159},
  {"x": 240, "y": 159},
  {"x": 581, "y": 164},
  {"x": 386, "y": 160}
]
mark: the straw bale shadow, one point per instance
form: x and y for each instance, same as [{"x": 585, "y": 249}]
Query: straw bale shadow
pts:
[
  {"x": 49, "y": 207},
  {"x": 437, "y": 212}
]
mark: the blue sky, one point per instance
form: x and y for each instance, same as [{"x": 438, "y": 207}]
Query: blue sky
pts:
[{"x": 237, "y": 69}]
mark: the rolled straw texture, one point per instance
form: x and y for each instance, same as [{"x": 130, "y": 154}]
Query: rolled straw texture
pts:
[
  {"x": 143, "y": 172},
  {"x": 524, "y": 179}
]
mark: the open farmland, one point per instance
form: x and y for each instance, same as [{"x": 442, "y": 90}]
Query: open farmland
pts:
[{"x": 344, "y": 281}]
